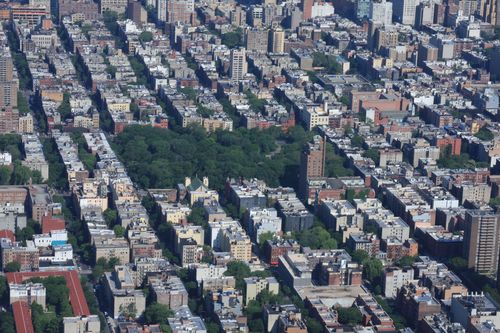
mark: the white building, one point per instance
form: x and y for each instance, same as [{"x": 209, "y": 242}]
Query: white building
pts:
[
  {"x": 404, "y": 11},
  {"x": 320, "y": 9},
  {"x": 238, "y": 66},
  {"x": 263, "y": 220},
  {"x": 161, "y": 10},
  {"x": 5, "y": 158},
  {"x": 55, "y": 237},
  {"x": 215, "y": 231},
  {"x": 394, "y": 278},
  {"x": 59, "y": 254},
  {"x": 27, "y": 292},
  {"x": 209, "y": 272},
  {"x": 381, "y": 12}
]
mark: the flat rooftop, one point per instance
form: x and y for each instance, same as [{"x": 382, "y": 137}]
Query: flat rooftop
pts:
[
  {"x": 76, "y": 295},
  {"x": 343, "y": 296}
]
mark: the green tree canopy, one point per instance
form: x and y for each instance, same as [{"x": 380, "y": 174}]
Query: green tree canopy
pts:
[
  {"x": 110, "y": 216},
  {"x": 372, "y": 270},
  {"x": 317, "y": 238},
  {"x": 157, "y": 313},
  {"x": 197, "y": 216},
  {"x": 233, "y": 39},
  {"x": 13, "y": 266},
  {"x": 119, "y": 230},
  {"x": 458, "y": 264},
  {"x": 485, "y": 134},
  {"x": 329, "y": 62},
  {"x": 146, "y": 36},
  {"x": 7, "y": 324},
  {"x": 406, "y": 261},
  {"x": 359, "y": 256},
  {"x": 350, "y": 316},
  {"x": 5, "y": 173},
  {"x": 65, "y": 108},
  {"x": 239, "y": 270}
]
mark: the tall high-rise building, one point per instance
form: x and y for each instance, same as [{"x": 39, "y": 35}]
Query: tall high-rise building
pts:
[
  {"x": 482, "y": 240},
  {"x": 488, "y": 11},
  {"x": 118, "y": 6},
  {"x": 277, "y": 42},
  {"x": 238, "y": 16},
  {"x": 312, "y": 159},
  {"x": 385, "y": 37},
  {"x": 180, "y": 11},
  {"x": 41, "y": 3},
  {"x": 312, "y": 163},
  {"x": 362, "y": 9},
  {"x": 8, "y": 86},
  {"x": 426, "y": 52},
  {"x": 238, "y": 66},
  {"x": 88, "y": 8},
  {"x": 468, "y": 7},
  {"x": 271, "y": 12},
  {"x": 306, "y": 6},
  {"x": 373, "y": 26},
  {"x": 424, "y": 14},
  {"x": 256, "y": 39},
  {"x": 9, "y": 120},
  {"x": 6, "y": 67},
  {"x": 381, "y": 11},
  {"x": 295, "y": 18},
  {"x": 137, "y": 13},
  {"x": 439, "y": 13},
  {"x": 161, "y": 10},
  {"x": 404, "y": 11}
]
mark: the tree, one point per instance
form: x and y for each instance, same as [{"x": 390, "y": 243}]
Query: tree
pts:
[
  {"x": 13, "y": 266},
  {"x": 5, "y": 173},
  {"x": 65, "y": 108},
  {"x": 111, "y": 70},
  {"x": 146, "y": 36},
  {"x": 484, "y": 134},
  {"x": 119, "y": 230},
  {"x": 350, "y": 316},
  {"x": 22, "y": 103},
  {"x": 494, "y": 202},
  {"x": 263, "y": 238},
  {"x": 7, "y": 323},
  {"x": 406, "y": 261},
  {"x": 110, "y": 216},
  {"x": 313, "y": 325},
  {"x": 212, "y": 328},
  {"x": 21, "y": 175},
  {"x": 258, "y": 105},
  {"x": 239, "y": 270},
  {"x": 129, "y": 311},
  {"x": 458, "y": 264},
  {"x": 233, "y": 39},
  {"x": 197, "y": 216},
  {"x": 359, "y": 256},
  {"x": 159, "y": 158},
  {"x": 373, "y": 154},
  {"x": 256, "y": 325},
  {"x": 317, "y": 238},
  {"x": 372, "y": 270},
  {"x": 329, "y": 62},
  {"x": 157, "y": 313},
  {"x": 112, "y": 262},
  {"x": 4, "y": 291},
  {"x": 357, "y": 141},
  {"x": 97, "y": 272}
]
